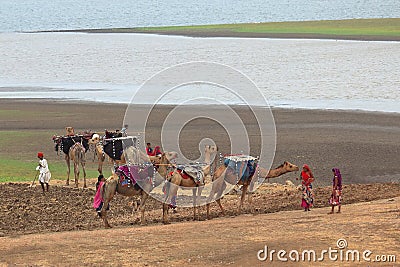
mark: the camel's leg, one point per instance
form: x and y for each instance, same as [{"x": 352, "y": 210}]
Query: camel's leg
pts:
[
  {"x": 165, "y": 214},
  {"x": 109, "y": 193},
  {"x": 194, "y": 203},
  {"x": 219, "y": 195},
  {"x": 199, "y": 190},
  {"x": 250, "y": 199},
  {"x": 67, "y": 160},
  {"x": 76, "y": 171},
  {"x": 244, "y": 191},
  {"x": 135, "y": 206},
  {"x": 84, "y": 175},
  {"x": 172, "y": 190},
  {"x": 220, "y": 206},
  {"x": 208, "y": 210},
  {"x": 101, "y": 158},
  {"x": 100, "y": 168},
  {"x": 104, "y": 213},
  {"x": 218, "y": 187},
  {"x": 142, "y": 207}
]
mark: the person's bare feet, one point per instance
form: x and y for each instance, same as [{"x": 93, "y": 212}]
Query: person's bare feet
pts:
[
  {"x": 338, "y": 211},
  {"x": 330, "y": 212}
]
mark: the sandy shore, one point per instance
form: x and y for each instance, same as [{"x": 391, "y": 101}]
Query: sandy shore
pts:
[
  {"x": 232, "y": 34},
  {"x": 363, "y": 145}
]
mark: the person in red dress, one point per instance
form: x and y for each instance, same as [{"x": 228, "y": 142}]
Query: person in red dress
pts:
[{"x": 307, "y": 178}]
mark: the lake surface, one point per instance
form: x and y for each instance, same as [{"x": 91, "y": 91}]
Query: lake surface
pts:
[
  {"x": 35, "y": 15},
  {"x": 325, "y": 74}
]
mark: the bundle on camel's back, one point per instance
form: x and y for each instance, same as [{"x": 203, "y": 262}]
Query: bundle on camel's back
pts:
[{"x": 109, "y": 145}]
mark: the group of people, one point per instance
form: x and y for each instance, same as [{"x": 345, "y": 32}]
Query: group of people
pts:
[{"x": 307, "y": 178}]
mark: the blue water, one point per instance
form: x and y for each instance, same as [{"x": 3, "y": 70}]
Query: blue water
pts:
[
  {"x": 34, "y": 15},
  {"x": 323, "y": 74}
]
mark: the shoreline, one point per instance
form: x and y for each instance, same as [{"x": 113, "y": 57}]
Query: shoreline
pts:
[
  {"x": 228, "y": 34},
  {"x": 383, "y": 29},
  {"x": 272, "y": 107}
]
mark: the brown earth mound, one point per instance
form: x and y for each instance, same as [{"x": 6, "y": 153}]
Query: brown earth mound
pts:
[{"x": 26, "y": 210}]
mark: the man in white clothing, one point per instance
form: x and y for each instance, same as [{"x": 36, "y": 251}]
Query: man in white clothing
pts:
[{"x": 44, "y": 172}]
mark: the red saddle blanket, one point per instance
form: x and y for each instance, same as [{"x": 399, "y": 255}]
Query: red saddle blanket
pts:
[{"x": 182, "y": 173}]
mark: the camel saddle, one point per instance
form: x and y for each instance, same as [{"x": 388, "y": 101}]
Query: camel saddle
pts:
[
  {"x": 192, "y": 172},
  {"x": 64, "y": 143},
  {"x": 244, "y": 166}
]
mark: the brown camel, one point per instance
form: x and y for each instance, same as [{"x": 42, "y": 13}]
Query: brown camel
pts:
[
  {"x": 77, "y": 155},
  {"x": 99, "y": 152},
  {"x": 177, "y": 180},
  {"x": 141, "y": 189},
  {"x": 221, "y": 177}
]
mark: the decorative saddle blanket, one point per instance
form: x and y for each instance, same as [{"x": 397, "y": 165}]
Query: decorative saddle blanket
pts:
[
  {"x": 192, "y": 172},
  {"x": 114, "y": 147},
  {"x": 242, "y": 165},
  {"x": 133, "y": 174}
]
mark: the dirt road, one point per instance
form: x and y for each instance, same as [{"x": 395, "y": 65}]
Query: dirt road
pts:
[{"x": 233, "y": 240}]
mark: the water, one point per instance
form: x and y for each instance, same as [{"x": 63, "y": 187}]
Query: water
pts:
[
  {"x": 34, "y": 15},
  {"x": 324, "y": 74}
]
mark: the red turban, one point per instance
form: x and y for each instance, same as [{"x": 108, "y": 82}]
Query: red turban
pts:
[{"x": 40, "y": 154}]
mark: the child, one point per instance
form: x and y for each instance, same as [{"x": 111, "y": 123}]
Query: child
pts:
[
  {"x": 336, "y": 196},
  {"x": 44, "y": 172},
  {"x": 98, "y": 199}
]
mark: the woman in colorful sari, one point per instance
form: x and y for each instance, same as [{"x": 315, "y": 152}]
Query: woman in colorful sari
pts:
[
  {"x": 336, "y": 196},
  {"x": 307, "y": 178}
]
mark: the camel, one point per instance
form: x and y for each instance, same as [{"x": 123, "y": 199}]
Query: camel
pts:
[
  {"x": 95, "y": 140},
  {"x": 77, "y": 155},
  {"x": 221, "y": 177},
  {"x": 141, "y": 189},
  {"x": 65, "y": 144},
  {"x": 176, "y": 179}
]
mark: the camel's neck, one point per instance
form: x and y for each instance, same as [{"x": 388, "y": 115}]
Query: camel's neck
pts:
[
  {"x": 162, "y": 168},
  {"x": 273, "y": 172},
  {"x": 210, "y": 164},
  {"x": 207, "y": 158}
]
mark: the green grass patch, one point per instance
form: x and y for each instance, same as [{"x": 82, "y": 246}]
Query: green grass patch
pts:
[
  {"x": 372, "y": 27},
  {"x": 7, "y": 138}
]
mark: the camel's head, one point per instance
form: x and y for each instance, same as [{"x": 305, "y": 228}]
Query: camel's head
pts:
[
  {"x": 289, "y": 167},
  {"x": 69, "y": 130},
  {"x": 171, "y": 155},
  {"x": 211, "y": 149},
  {"x": 95, "y": 139}
]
